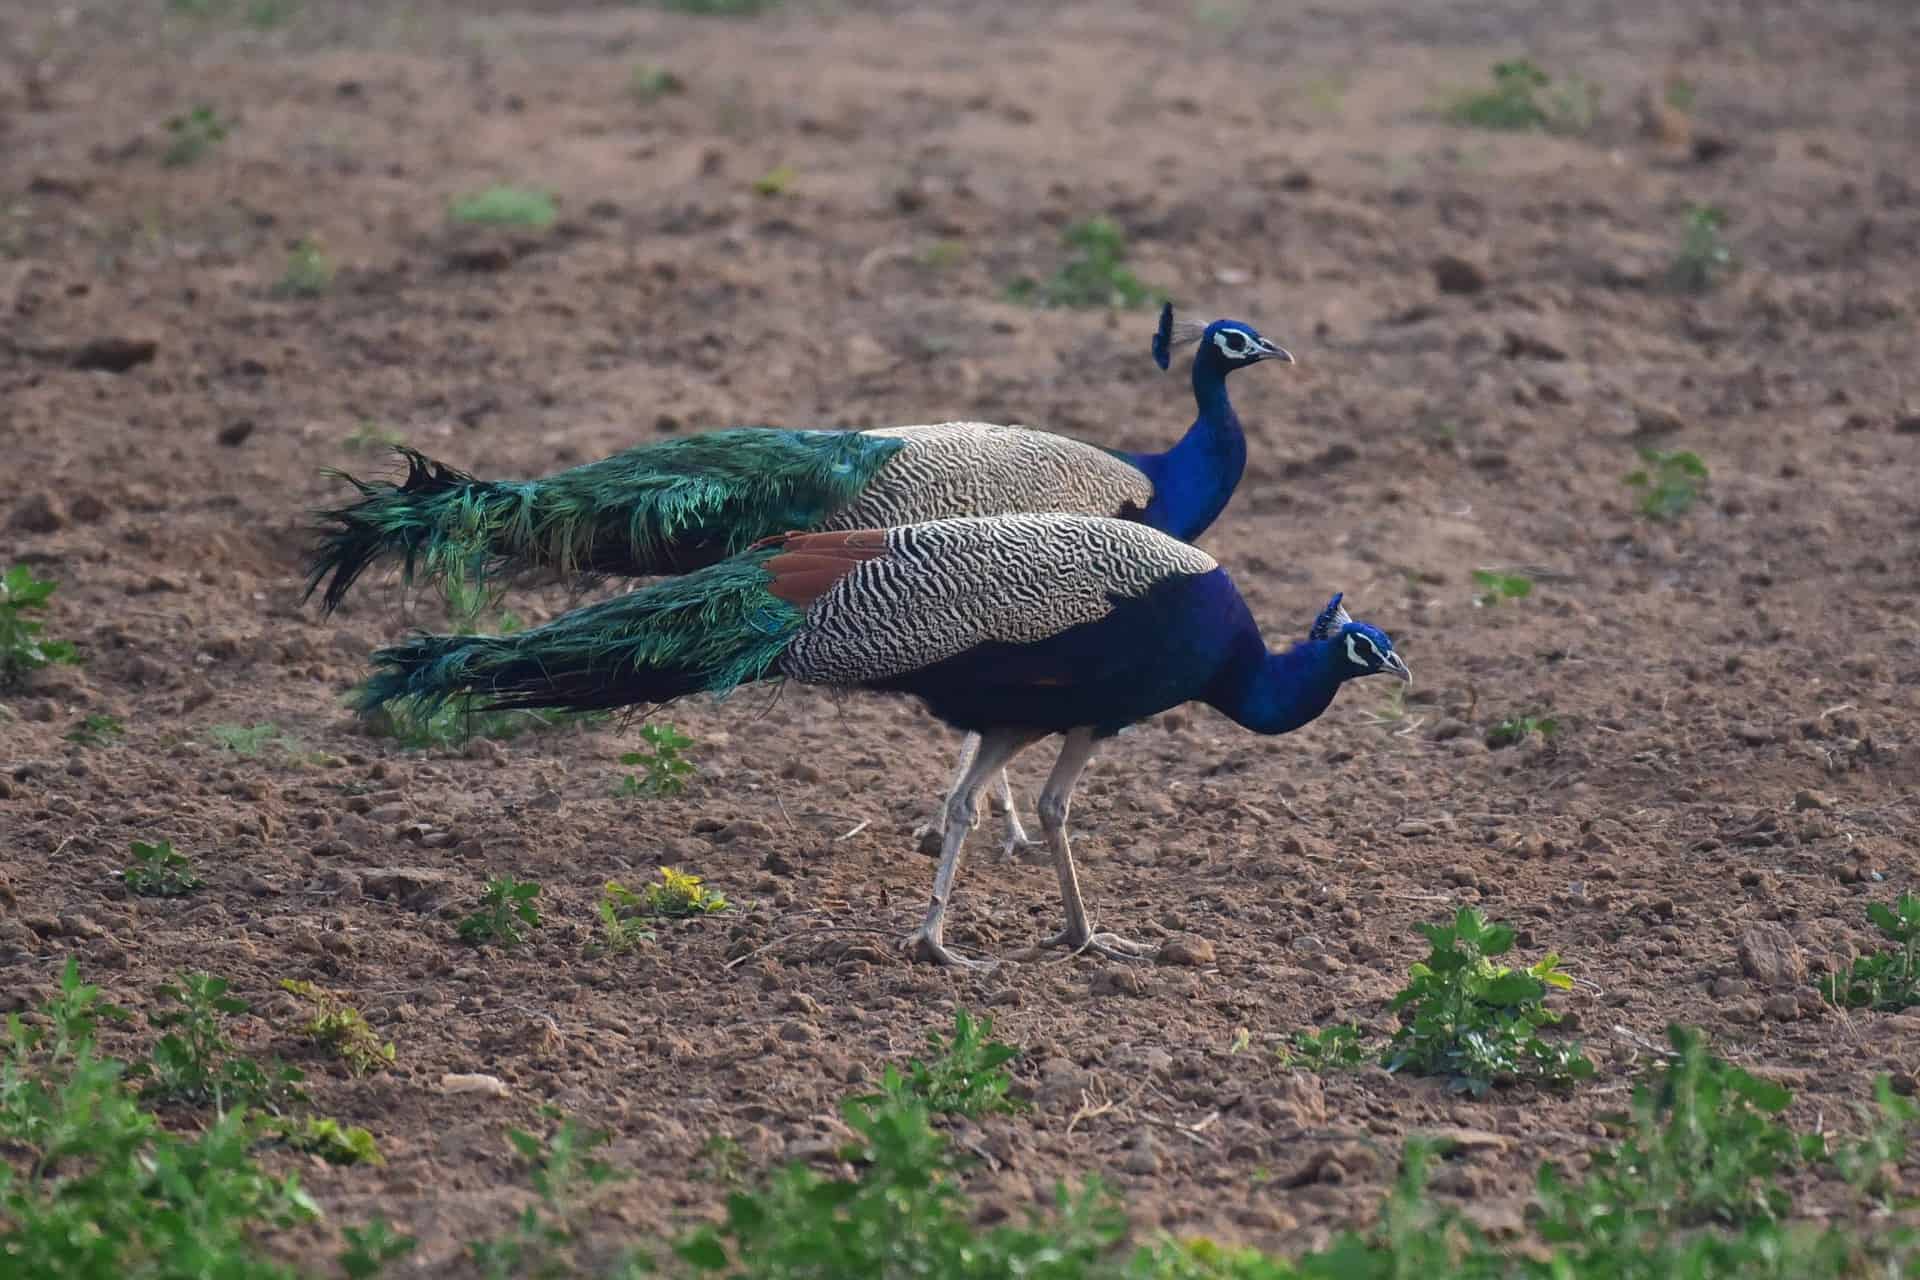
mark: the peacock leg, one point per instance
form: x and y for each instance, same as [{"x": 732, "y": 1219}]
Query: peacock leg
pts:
[
  {"x": 1055, "y": 799},
  {"x": 932, "y": 833},
  {"x": 991, "y": 755}
]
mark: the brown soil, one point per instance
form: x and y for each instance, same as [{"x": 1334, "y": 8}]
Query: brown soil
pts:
[{"x": 1735, "y": 691}]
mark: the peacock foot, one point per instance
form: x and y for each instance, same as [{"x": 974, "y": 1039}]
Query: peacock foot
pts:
[
  {"x": 1018, "y": 841},
  {"x": 1111, "y": 945},
  {"x": 928, "y": 946}
]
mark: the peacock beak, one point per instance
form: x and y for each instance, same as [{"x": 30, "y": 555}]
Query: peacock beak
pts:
[
  {"x": 1398, "y": 667},
  {"x": 1270, "y": 352}
]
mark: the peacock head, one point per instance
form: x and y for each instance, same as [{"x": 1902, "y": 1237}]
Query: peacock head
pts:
[
  {"x": 1358, "y": 648},
  {"x": 1225, "y": 345}
]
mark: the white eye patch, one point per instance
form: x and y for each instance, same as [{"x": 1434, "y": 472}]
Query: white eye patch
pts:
[
  {"x": 1234, "y": 344},
  {"x": 1354, "y": 642}
]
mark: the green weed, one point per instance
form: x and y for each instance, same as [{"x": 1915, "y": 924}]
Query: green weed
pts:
[
  {"x": 95, "y": 1187},
  {"x": 192, "y": 135},
  {"x": 1887, "y": 979},
  {"x": 1336, "y": 1048},
  {"x": 1704, "y": 256},
  {"x": 621, "y": 912},
  {"x": 96, "y": 730},
  {"x": 679, "y": 894},
  {"x": 665, "y": 769},
  {"x": 327, "y": 1138},
  {"x": 1514, "y": 730},
  {"x": 719, "y": 8},
  {"x": 1669, "y": 484},
  {"x": 506, "y": 207},
  {"x": 370, "y": 435},
  {"x": 159, "y": 872},
  {"x": 775, "y": 181},
  {"x": 1476, "y": 1023},
  {"x": 506, "y": 913},
  {"x": 647, "y": 83},
  {"x": 247, "y": 740},
  {"x": 1496, "y": 587},
  {"x": 942, "y": 255},
  {"x": 963, "y": 1077},
  {"x": 308, "y": 272},
  {"x": 726, "y": 1160},
  {"x": 340, "y": 1029},
  {"x": 370, "y": 1248},
  {"x": 1525, "y": 97},
  {"x": 567, "y": 1177},
  {"x": 21, "y": 648},
  {"x": 1094, "y": 275},
  {"x": 196, "y": 1062}
]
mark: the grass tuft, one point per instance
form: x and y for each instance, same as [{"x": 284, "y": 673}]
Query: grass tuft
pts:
[
  {"x": 506, "y": 207},
  {"x": 1094, "y": 275}
]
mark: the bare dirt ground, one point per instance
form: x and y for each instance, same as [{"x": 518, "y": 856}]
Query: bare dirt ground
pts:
[{"x": 1735, "y": 691}]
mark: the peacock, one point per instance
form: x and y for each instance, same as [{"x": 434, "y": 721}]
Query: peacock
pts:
[
  {"x": 1012, "y": 628},
  {"x": 674, "y": 506}
]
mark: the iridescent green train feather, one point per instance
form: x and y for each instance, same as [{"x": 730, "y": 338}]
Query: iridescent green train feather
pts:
[
  {"x": 708, "y": 631},
  {"x": 660, "y": 508}
]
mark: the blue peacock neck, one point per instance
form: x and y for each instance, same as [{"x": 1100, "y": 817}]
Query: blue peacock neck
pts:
[
  {"x": 1194, "y": 480},
  {"x": 1279, "y": 692}
]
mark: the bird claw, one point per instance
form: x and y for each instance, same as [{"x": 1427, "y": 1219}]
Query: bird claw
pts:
[
  {"x": 929, "y": 947},
  {"x": 1110, "y": 945},
  {"x": 1017, "y": 842}
]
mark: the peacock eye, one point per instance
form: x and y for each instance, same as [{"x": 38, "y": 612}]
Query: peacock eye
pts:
[{"x": 1236, "y": 342}]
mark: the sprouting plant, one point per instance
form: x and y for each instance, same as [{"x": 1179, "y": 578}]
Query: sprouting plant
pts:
[
  {"x": 308, "y": 272},
  {"x": 370, "y": 1248},
  {"x": 1870, "y": 1163},
  {"x": 186, "y": 1062},
  {"x": 621, "y": 913},
  {"x": 665, "y": 769},
  {"x": 1702, "y": 1144},
  {"x": 193, "y": 134},
  {"x": 648, "y": 82},
  {"x": 327, "y": 1138},
  {"x": 1887, "y": 979},
  {"x": 679, "y": 894},
  {"x": 371, "y": 435},
  {"x": 1511, "y": 102},
  {"x": 963, "y": 1077},
  {"x": 96, "y": 730},
  {"x": 1704, "y": 256},
  {"x": 1474, "y": 1022},
  {"x": 720, "y": 8},
  {"x": 506, "y": 913},
  {"x": 1670, "y": 482},
  {"x": 158, "y": 871},
  {"x": 775, "y": 181},
  {"x": 1517, "y": 729},
  {"x": 245, "y": 739},
  {"x": 726, "y": 1160},
  {"x": 1681, "y": 93},
  {"x": 942, "y": 255},
  {"x": 567, "y": 1176},
  {"x": 21, "y": 648},
  {"x": 341, "y": 1029},
  {"x": 1337, "y": 1048},
  {"x": 506, "y": 207},
  {"x": 1496, "y": 587},
  {"x": 1094, "y": 275}
]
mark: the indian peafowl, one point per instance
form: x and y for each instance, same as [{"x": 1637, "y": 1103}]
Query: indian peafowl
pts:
[
  {"x": 677, "y": 505},
  {"x": 1013, "y": 628}
]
